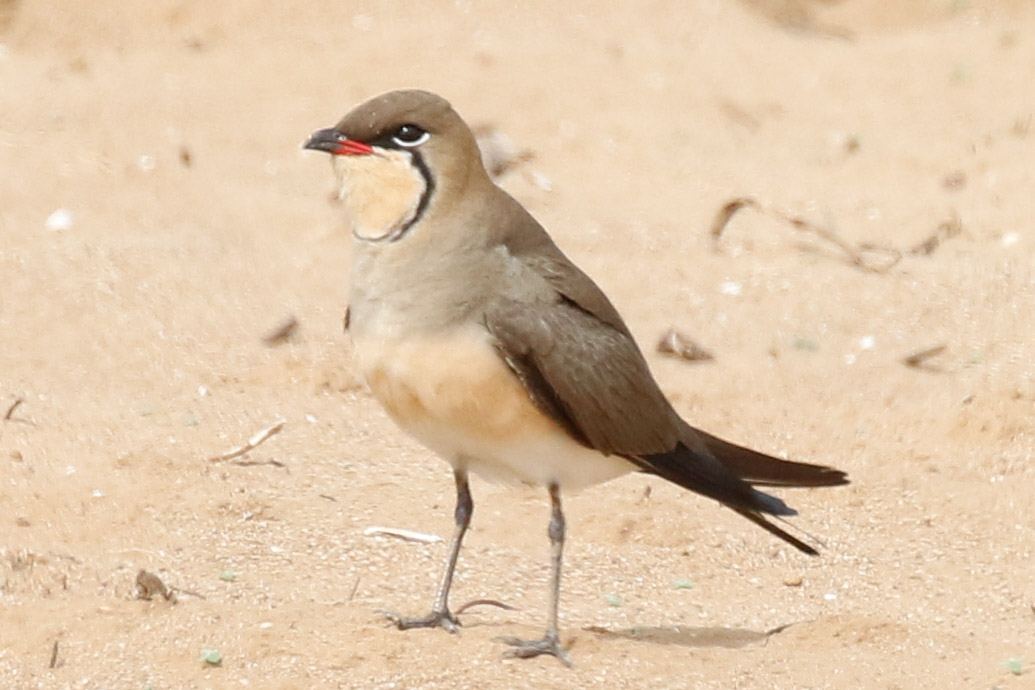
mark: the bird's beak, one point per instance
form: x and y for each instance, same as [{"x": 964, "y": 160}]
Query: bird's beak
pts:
[{"x": 337, "y": 144}]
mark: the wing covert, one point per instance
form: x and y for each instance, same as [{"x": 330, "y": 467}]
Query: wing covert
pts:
[{"x": 586, "y": 375}]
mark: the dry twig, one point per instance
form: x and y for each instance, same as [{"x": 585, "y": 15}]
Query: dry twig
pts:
[
  {"x": 485, "y": 602},
  {"x": 281, "y": 332},
  {"x": 13, "y": 407},
  {"x": 946, "y": 231},
  {"x": 251, "y": 443},
  {"x": 860, "y": 256},
  {"x": 918, "y": 360},
  {"x": 189, "y": 592},
  {"x": 404, "y": 534},
  {"x": 256, "y": 463}
]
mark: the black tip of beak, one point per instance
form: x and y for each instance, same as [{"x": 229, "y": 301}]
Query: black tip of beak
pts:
[{"x": 324, "y": 140}]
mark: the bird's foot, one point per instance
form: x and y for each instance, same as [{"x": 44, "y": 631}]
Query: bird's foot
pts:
[
  {"x": 526, "y": 649},
  {"x": 435, "y": 619}
]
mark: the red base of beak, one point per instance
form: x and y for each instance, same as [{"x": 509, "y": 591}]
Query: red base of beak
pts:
[
  {"x": 348, "y": 147},
  {"x": 337, "y": 144}
]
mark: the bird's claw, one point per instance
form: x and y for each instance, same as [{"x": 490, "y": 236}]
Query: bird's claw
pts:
[{"x": 526, "y": 649}]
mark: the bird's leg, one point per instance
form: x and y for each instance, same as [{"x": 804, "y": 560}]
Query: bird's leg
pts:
[
  {"x": 440, "y": 616},
  {"x": 550, "y": 642}
]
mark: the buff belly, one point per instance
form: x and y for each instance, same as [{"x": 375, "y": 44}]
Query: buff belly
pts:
[{"x": 453, "y": 393}]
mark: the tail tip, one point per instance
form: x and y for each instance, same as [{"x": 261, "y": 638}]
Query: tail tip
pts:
[{"x": 773, "y": 505}]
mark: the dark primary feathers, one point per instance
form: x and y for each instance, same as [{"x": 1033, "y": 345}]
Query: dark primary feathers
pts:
[{"x": 582, "y": 367}]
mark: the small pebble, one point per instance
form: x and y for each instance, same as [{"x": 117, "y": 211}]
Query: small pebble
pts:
[
  {"x": 805, "y": 344},
  {"x": 730, "y": 287},
  {"x": 955, "y": 180},
  {"x": 678, "y": 345},
  {"x": 61, "y": 219},
  {"x": 212, "y": 657}
]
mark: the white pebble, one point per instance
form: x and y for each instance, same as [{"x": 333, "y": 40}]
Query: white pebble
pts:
[
  {"x": 61, "y": 219},
  {"x": 730, "y": 287}
]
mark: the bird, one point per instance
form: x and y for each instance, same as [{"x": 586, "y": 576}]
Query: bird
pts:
[{"x": 489, "y": 346}]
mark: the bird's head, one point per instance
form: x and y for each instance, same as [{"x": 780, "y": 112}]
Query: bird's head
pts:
[{"x": 400, "y": 157}]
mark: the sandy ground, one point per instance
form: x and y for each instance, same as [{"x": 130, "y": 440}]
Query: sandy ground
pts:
[{"x": 132, "y": 326}]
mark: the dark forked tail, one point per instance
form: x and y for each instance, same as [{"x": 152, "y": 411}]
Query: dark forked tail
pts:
[
  {"x": 726, "y": 472},
  {"x": 760, "y": 469}
]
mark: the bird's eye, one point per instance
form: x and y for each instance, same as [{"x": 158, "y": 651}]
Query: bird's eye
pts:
[{"x": 410, "y": 136}]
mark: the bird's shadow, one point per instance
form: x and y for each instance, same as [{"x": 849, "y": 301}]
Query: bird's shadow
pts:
[{"x": 729, "y": 638}]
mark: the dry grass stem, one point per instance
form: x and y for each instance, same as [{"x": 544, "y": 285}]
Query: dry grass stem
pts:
[{"x": 251, "y": 443}]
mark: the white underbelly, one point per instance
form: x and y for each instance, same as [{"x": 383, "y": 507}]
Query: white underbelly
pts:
[{"x": 538, "y": 460}]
